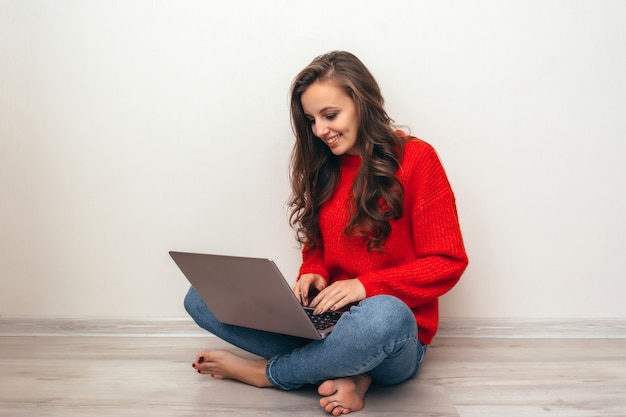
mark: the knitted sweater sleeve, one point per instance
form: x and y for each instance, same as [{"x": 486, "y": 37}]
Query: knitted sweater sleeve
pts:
[
  {"x": 439, "y": 256},
  {"x": 313, "y": 261}
]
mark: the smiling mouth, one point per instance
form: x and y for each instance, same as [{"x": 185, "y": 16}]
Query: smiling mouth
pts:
[{"x": 332, "y": 140}]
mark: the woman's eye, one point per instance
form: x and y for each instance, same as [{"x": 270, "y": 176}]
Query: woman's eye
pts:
[{"x": 331, "y": 116}]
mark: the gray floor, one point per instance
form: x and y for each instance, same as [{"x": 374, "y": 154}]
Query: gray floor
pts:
[{"x": 81, "y": 369}]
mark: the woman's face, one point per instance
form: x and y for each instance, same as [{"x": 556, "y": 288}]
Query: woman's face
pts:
[{"x": 333, "y": 116}]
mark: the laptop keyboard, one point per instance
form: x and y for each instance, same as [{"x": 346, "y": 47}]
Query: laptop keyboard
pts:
[{"x": 324, "y": 320}]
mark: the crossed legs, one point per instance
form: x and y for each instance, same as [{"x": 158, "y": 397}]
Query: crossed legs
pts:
[{"x": 363, "y": 348}]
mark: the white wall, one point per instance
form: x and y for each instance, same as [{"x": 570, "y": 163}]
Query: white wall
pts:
[{"x": 129, "y": 128}]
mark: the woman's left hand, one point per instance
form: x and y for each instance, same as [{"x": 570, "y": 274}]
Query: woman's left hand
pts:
[{"x": 337, "y": 295}]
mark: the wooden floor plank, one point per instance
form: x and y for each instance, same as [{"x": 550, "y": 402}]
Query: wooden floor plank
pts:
[
  {"x": 131, "y": 368},
  {"x": 504, "y": 377},
  {"x": 130, "y": 376}
]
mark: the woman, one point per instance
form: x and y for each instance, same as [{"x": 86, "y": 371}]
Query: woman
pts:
[{"x": 377, "y": 220}]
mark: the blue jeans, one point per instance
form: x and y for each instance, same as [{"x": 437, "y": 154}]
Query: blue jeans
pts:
[{"x": 377, "y": 337}]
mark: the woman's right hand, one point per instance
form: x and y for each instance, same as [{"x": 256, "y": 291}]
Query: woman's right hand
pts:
[{"x": 305, "y": 284}]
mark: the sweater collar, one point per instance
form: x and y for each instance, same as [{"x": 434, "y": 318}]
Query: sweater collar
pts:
[{"x": 350, "y": 161}]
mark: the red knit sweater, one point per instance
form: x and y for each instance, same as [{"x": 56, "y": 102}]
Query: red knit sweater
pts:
[{"x": 423, "y": 256}]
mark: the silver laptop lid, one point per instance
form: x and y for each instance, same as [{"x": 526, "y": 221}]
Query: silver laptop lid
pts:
[{"x": 248, "y": 292}]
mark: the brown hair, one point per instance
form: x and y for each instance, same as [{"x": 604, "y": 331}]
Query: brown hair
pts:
[{"x": 377, "y": 192}]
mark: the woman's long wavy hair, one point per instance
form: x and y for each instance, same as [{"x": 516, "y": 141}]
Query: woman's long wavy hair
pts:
[{"x": 377, "y": 192}]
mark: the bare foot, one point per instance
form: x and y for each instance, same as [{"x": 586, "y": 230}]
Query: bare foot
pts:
[
  {"x": 226, "y": 365},
  {"x": 344, "y": 395}
]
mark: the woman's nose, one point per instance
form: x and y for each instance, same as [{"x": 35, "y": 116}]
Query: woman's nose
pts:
[{"x": 320, "y": 128}]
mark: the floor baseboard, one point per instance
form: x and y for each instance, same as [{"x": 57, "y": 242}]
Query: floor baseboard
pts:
[
  {"x": 456, "y": 327},
  {"x": 519, "y": 328}
]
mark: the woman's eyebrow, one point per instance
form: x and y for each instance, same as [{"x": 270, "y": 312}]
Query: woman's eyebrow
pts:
[{"x": 323, "y": 110}]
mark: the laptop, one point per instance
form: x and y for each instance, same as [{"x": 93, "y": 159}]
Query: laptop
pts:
[{"x": 251, "y": 292}]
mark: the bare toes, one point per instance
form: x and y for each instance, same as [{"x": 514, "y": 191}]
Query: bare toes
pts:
[{"x": 327, "y": 388}]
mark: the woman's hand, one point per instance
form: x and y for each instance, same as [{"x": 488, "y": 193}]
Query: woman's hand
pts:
[
  {"x": 337, "y": 295},
  {"x": 305, "y": 284}
]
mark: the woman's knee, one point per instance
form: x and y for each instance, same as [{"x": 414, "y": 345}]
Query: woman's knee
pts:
[
  {"x": 388, "y": 312},
  {"x": 199, "y": 312},
  {"x": 192, "y": 302},
  {"x": 388, "y": 306}
]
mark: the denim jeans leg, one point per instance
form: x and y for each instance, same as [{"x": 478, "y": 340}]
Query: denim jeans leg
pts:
[
  {"x": 378, "y": 337},
  {"x": 258, "y": 342}
]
